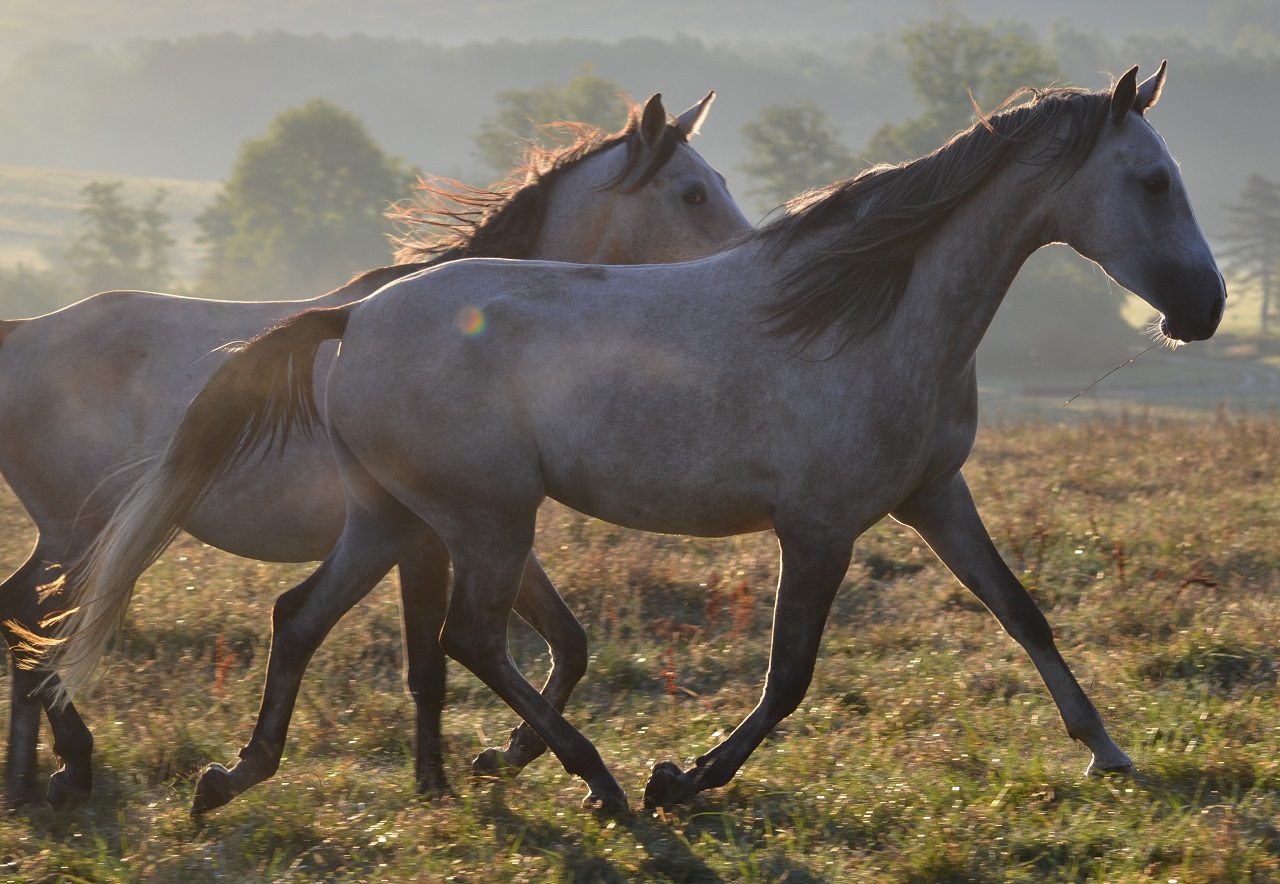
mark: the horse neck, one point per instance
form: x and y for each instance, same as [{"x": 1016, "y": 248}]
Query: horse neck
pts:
[
  {"x": 575, "y": 218},
  {"x": 961, "y": 275}
]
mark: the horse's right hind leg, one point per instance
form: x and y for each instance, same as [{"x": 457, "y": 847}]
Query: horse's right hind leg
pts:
[
  {"x": 424, "y": 597},
  {"x": 72, "y": 741}
]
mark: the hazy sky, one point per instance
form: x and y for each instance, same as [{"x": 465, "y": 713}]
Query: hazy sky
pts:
[{"x": 24, "y": 22}]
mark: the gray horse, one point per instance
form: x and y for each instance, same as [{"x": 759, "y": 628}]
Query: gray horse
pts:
[
  {"x": 86, "y": 390},
  {"x": 813, "y": 379}
]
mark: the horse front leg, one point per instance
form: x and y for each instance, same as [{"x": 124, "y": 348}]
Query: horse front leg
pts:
[
  {"x": 813, "y": 566},
  {"x": 72, "y": 741},
  {"x": 946, "y": 518},
  {"x": 539, "y": 605},
  {"x": 490, "y": 556}
]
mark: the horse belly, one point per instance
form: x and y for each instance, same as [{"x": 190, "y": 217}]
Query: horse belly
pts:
[{"x": 665, "y": 492}]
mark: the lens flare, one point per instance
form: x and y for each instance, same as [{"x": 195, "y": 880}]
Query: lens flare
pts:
[{"x": 471, "y": 321}]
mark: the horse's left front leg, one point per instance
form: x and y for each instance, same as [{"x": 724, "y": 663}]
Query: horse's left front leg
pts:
[
  {"x": 812, "y": 569},
  {"x": 946, "y": 518}
]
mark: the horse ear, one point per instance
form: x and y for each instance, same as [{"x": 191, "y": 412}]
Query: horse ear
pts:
[
  {"x": 653, "y": 121},
  {"x": 1123, "y": 94},
  {"x": 690, "y": 121},
  {"x": 1149, "y": 91}
]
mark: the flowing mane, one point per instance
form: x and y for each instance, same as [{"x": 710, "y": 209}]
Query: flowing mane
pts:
[
  {"x": 504, "y": 221},
  {"x": 891, "y": 211}
]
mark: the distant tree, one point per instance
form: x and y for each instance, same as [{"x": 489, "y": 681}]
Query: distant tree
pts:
[
  {"x": 303, "y": 208},
  {"x": 1254, "y": 237},
  {"x": 951, "y": 58},
  {"x": 31, "y": 291},
  {"x": 118, "y": 245},
  {"x": 791, "y": 148},
  {"x": 522, "y": 114},
  {"x": 1059, "y": 318}
]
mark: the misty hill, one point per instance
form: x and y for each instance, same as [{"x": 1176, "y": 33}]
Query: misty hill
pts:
[{"x": 181, "y": 108}]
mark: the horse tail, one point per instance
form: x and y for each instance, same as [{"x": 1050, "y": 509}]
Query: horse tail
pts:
[{"x": 255, "y": 398}]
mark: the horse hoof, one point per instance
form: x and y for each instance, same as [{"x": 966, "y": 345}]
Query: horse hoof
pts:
[
  {"x": 1121, "y": 764},
  {"x": 667, "y": 785},
  {"x": 1123, "y": 770},
  {"x": 433, "y": 787},
  {"x": 16, "y": 799},
  {"x": 491, "y": 764},
  {"x": 65, "y": 788},
  {"x": 614, "y": 806},
  {"x": 213, "y": 789}
]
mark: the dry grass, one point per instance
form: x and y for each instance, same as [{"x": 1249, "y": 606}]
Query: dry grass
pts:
[{"x": 927, "y": 749}]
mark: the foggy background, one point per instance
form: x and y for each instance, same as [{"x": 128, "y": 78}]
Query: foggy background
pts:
[{"x": 155, "y": 93}]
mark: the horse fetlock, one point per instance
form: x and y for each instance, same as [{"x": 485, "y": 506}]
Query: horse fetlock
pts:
[
  {"x": 524, "y": 747},
  {"x": 258, "y": 760}
]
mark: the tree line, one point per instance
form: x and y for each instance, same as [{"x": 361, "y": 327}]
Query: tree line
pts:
[{"x": 303, "y": 208}]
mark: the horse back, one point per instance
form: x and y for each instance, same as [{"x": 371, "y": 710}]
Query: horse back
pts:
[{"x": 7, "y": 326}]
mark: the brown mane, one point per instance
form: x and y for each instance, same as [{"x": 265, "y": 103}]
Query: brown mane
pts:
[
  {"x": 446, "y": 219},
  {"x": 889, "y": 212}
]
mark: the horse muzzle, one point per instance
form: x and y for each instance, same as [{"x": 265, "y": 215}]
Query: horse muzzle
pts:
[{"x": 1197, "y": 322}]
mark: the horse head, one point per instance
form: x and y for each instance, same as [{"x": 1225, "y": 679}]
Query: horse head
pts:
[
  {"x": 652, "y": 198},
  {"x": 1127, "y": 209}
]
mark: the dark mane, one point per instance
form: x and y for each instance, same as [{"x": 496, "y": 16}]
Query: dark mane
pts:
[
  {"x": 447, "y": 219},
  {"x": 889, "y": 212}
]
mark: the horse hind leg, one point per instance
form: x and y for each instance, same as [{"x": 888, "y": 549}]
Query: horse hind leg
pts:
[
  {"x": 488, "y": 564},
  {"x": 424, "y": 598},
  {"x": 539, "y": 605},
  {"x": 372, "y": 541},
  {"x": 72, "y": 741}
]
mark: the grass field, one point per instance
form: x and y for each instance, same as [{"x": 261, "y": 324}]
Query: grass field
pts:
[{"x": 927, "y": 749}]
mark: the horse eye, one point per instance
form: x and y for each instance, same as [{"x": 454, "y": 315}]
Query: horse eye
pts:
[
  {"x": 1156, "y": 184},
  {"x": 694, "y": 196}
]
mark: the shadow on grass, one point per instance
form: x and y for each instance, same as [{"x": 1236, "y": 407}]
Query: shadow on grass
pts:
[{"x": 668, "y": 856}]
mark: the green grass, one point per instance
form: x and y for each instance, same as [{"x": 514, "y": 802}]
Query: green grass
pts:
[{"x": 927, "y": 749}]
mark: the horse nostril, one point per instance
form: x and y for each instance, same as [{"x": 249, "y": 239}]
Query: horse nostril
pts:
[{"x": 1218, "y": 307}]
